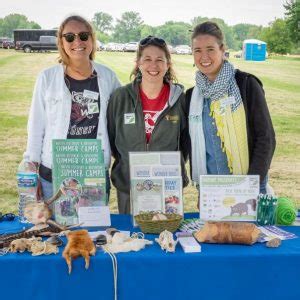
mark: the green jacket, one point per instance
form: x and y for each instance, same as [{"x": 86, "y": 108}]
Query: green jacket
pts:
[{"x": 126, "y": 130}]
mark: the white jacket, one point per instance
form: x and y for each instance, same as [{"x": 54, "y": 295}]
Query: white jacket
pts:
[{"x": 49, "y": 116}]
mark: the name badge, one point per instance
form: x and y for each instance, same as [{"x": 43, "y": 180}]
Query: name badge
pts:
[
  {"x": 129, "y": 118},
  {"x": 90, "y": 94},
  {"x": 93, "y": 108}
]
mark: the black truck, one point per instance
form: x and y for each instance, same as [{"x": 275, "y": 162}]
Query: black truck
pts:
[{"x": 30, "y": 40}]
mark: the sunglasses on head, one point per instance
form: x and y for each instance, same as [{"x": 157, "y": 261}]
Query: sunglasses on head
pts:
[
  {"x": 7, "y": 217},
  {"x": 70, "y": 37},
  {"x": 152, "y": 40}
]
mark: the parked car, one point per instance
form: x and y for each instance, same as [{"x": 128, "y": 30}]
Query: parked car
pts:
[
  {"x": 45, "y": 43},
  {"x": 183, "y": 49},
  {"x": 99, "y": 45},
  {"x": 114, "y": 47},
  {"x": 131, "y": 47},
  {"x": 8, "y": 44},
  {"x": 171, "y": 49},
  {"x": 3, "y": 39},
  {"x": 238, "y": 54}
]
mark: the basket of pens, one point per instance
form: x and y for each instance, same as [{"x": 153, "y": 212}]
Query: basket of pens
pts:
[
  {"x": 156, "y": 222},
  {"x": 266, "y": 210}
]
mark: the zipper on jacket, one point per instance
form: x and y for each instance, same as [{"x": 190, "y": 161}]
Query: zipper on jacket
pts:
[{"x": 162, "y": 115}]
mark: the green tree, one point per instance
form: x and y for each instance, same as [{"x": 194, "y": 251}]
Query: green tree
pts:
[
  {"x": 292, "y": 14},
  {"x": 16, "y": 21},
  {"x": 147, "y": 30},
  {"x": 245, "y": 31},
  {"x": 277, "y": 37},
  {"x": 102, "y": 37},
  {"x": 102, "y": 22},
  {"x": 128, "y": 28},
  {"x": 175, "y": 33},
  {"x": 229, "y": 37}
]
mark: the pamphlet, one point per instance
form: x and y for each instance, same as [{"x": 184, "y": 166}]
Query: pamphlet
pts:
[
  {"x": 147, "y": 194},
  {"x": 155, "y": 182},
  {"x": 270, "y": 232},
  {"x": 228, "y": 197},
  {"x": 78, "y": 177}
]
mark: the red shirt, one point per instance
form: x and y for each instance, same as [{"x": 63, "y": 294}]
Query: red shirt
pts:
[{"x": 152, "y": 108}]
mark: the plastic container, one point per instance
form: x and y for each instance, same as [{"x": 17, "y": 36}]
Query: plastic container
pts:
[
  {"x": 266, "y": 210},
  {"x": 27, "y": 179}
]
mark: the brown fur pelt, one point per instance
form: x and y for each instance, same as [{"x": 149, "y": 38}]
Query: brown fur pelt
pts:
[
  {"x": 20, "y": 245},
  {"x": 79, "y": 244},
  {"x": 228, "y": 233}
]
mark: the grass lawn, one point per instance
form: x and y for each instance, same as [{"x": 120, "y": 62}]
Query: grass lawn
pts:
[{"x": 280, "y": 77}]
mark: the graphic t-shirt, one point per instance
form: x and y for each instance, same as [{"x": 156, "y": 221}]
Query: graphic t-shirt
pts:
[
  {"x": 85, "y": 107},
  {"x": 152, "y": 108}
]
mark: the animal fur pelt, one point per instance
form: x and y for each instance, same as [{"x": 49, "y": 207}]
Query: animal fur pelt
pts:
[
  {"x": 228, "y": 233},
  {"x": 79, "y": 244}
]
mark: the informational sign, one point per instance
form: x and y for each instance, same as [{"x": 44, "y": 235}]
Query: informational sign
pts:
[
  {"x": 155, "y": 182},
  {"x": 79, "y": 178},
  {"x": 228, "y": 197}
]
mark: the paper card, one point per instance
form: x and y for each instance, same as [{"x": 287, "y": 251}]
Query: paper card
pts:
[
  {"x": 154, "y": 158},
  {"x": 147, "y": 195},
  {"x": 173, "y": 195},
  {"x": 94, "y": 216},
  {"x": 228, "y": 197},
  {"x": 90, "y": 94},
  {"x": 141, "y": 171},
  {"x": 189, "y": 244},
  {"x": 165, "y": 171}
]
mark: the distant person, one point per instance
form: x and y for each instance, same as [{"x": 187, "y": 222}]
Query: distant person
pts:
[
  {"x": 146, "y": 115},
  {"x": 229, "y": 122},
  {"x": 70, "y": 99}
]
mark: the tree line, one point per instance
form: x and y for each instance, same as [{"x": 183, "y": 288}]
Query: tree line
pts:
[{"x": 282, "y": 35}]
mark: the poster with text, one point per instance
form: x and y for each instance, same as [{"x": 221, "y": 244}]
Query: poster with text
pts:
[
  {"x": 228, "y": 197},
  {"x": 78, "y": 177}
]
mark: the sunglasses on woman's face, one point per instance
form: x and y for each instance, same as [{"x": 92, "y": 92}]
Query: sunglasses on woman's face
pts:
[
  {"x": 70, "y": 37},
  {"x": 7, "y": 217},
  {"x": 152, "y": 40}
]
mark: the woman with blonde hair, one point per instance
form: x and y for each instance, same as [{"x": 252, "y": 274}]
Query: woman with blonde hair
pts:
[
  {"x": 70, "y": 99},
  {"x": 146, "y": 115}
]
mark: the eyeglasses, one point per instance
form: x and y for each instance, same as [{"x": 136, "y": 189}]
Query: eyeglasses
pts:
[
  {"x": 70, "y": 37},
  {"x": 152, "y": 40},
  {"x": 7, "y": 217}
]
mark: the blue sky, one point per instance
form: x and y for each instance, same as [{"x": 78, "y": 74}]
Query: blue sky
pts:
[{"x": 49, "y": 13}]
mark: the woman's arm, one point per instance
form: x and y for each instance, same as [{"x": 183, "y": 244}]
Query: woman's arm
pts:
[
  {"x": 260, "y": 128},
  {"x": 111, "y": 125},
  {"x": 37, "y": 120}
]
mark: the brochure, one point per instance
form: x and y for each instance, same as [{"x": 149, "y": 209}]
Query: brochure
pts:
[
  {"x": 228, "y": 197},
  {"x": 79, "y": 174},
  {"x": 147, "y": 195},
  {"x": 270, "y": 232},
  {"x": 156, "y": 182}
]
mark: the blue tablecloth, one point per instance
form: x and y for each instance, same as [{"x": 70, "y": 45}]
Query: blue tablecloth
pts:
[{"x": 218, "y": 272}]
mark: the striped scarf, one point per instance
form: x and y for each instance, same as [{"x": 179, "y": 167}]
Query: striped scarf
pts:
[{"x": 228, "y": 111}]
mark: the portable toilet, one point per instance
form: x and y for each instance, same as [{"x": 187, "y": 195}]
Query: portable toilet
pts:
[{"x": 254, "y": 50}]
